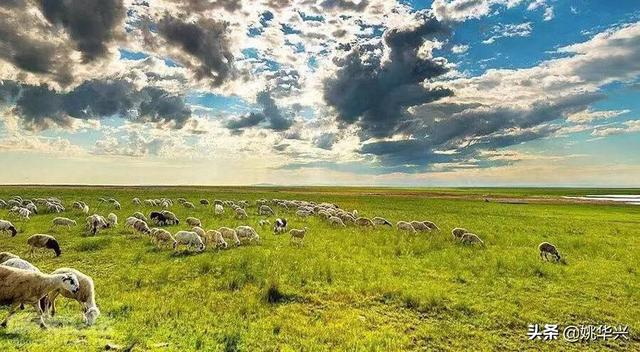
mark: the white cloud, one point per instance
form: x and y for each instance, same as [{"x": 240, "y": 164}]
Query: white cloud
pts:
[
  {"x": 459, "y": 49},
  {"x": 626, "y": 127}
]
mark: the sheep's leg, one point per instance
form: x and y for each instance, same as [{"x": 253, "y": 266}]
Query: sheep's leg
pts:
[{"x": 12, "y": 311}]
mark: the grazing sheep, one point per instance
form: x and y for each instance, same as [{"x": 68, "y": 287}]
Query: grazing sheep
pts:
[
  {"x": 112, "y": 220},
  {"x": 24, "y": 213},
  {"x": 136, "y": 201},
  {"x": 241, "y": 214},
  {"x": 247, "y": 232},
  {"x": 280, "y": 225},
  {"x": 40, "y": 241},
  {"x": 85, "y": 295},
  {"x": 95, "y": 223},
  {"x": 21, "y": 287},
  {"x": 4, "y": 256},
  {"x": 218, "y": 209},
  {"x": 191, "y": 221},
  {"x": 458, "y": 232},
  {"x": 200, "y": 231},
  {"x": 470, "y": 238},
  {"x": 228, "y": 233},
  {"x": 546, "y": 249},
  {"x": 405, "y": 226},
  {"x": 217, "y": 202},
  {"x": 141, "y": 226},
  {"x": 381, "y": 221},
  {"x": 189, "y": 205},
  {"x": 139, "y": 215},
  {"x": 189, "y": 239},
  {"x": 264, "y": 223},
  {"x": 298, "y": 235},
  {"x": 60, "y": 221},
  {"x": 204, "y": 202},
  {"x": 116, "y": 205},
  {"x": 431, "y": 225},
  {"x": 217, "y": 239},
  {"x": 266, "y": 210},
  {"x": 162, "y": 237},
  {"x": 7, "y": 226},
  {"x": 420, "y": 226},
  {"x": 364, "y": 222},
  {"x": 172, "y": 219},
  {"x": 336, "y": 221},
  {"x": 303, "y": 214},
  {"x": 20, "y": 264}
]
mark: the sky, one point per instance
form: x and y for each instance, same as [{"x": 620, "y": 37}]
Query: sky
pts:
[{"x": 320, "y": 92}]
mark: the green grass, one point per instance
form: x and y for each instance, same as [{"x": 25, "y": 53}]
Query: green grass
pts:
[{"x": 345, "y": 289}]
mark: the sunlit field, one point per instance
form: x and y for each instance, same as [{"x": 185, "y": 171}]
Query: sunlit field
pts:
[{"x": 352, "y": 289}]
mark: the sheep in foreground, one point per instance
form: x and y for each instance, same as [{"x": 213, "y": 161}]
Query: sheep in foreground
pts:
[
  {"x": 364, "y": 222},
  {"x": 60, "y": 221},
  {"x": 248, "y": 233},
  {"x": 4, "y": 256},
  {"x": 40, "y": 241},
  {"x": 458, "y": 232},
  {"x": 112, "y": 220},
  {"x": 21, "y": 287},
  {"x": 547, "y": 249},
  {"x": 189, "y": 239},
  {"x": 162, "y": 237},
  {"x": 471, "y": 238},
  {"x": 191, "y": 221},
  {"x": 228, "y": 233},
  {"x": 7, "y": 226},
  {"x": 297, "y": 235},
  {"x": 85, "y": 295},
  {"x": 381, "y": 221},
  {"x": 405, "y": 226},
  {"x": 336, "y": 221}
]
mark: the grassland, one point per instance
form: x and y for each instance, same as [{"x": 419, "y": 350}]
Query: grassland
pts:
[{"x": 345, "y": 289}]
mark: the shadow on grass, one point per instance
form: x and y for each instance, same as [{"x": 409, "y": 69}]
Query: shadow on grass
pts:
[{"x": 274, "y": 295}]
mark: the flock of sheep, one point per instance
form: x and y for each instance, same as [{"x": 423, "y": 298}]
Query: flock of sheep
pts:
[{"x": 21, "y": 283}]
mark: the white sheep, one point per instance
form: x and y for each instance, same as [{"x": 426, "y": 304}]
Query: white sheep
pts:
[
  {"x": 405, "y": 226},
  {"x": 21, "y": 287},
  {"x": 41, "y": 241},
  {"x": 297, "y": 235},
  {"x": 19, "y": 263},
  {"x": 364, "y": 222},
  {"x": 189, "y": 239},
  {"x": 431, "y": 225},
  {"x": 60, "y": 221},
  {"x": 189, "y": 205},
  {"x": 95, "y": 223},
  {"x": 85, "y": 295},
  {"x": 241, "y": 214},
  {"x": 191, "y": 221},
  {"x": 7, "y": 226},
  {"x": 162, "y": 236},
  {"x": 229, "y": 233},
  {"x": 265, "y": 210},
  {"x": 140, "y": 216},
  {"x": 420, "y": 226},
  {"x": 218, "y": 209},
  {"x": 136, "y": 201},
  {"x": 247, "y": 232},
  {"x": 200, "y": 231},
  {"x": 381, "y": 221},
  {"x": 264, "y": 223},
  {"x": 141, "y": 226},
  {"x": 112, "y": 220},
  {"x": 216, "y": 238}
]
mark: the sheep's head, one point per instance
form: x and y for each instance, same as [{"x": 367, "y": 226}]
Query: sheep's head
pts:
[
  {"x": 53, "y": 244},
  {"x": 201, "y": 247},
  {"x": 70, "y": 283},
  {"x": 91, "y": 315}
]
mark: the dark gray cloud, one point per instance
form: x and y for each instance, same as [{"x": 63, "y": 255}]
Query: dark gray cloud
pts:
[
  {"x": 92, "y": 24},
  {"x": 271, "y": 116},
  {"x": 376, "y": 95},
  {"x": 22, "y": 44},
  {"x": 9, "y": 91},
  {"x": 195, "y": 6},
  {"x": 472, "y": 130},
  {"x": 205, "y": 41},
  {"x": 40, "y": 107},
  {"x": 343, "y": 5}
]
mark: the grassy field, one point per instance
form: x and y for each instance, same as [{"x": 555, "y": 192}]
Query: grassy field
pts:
[{"x": 345, "y": 289}]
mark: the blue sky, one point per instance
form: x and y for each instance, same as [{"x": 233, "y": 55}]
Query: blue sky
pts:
[{"x": 353, "y": 92}]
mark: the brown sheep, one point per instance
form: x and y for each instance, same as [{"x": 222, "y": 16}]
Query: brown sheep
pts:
[{"x": 39, "y": 241}]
